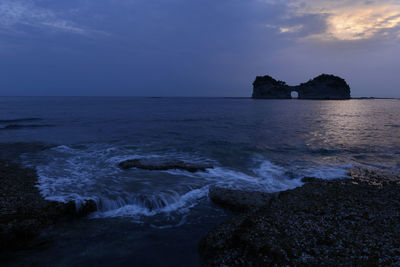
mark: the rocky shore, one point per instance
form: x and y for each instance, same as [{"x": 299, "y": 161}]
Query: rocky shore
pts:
[
  {"x": 24, "y": 213},
  {"x": 350, "y": 221},
  {"x": 162, "y": 165}
]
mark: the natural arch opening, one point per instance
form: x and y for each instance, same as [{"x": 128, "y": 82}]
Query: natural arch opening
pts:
[{"x": 294, "y": 95}]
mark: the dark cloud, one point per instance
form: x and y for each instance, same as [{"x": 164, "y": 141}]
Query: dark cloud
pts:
[{"x": 177, "y": 47}]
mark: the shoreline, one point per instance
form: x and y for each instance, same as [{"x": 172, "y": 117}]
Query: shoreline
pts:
[
  {"x": 338, "y": 221},
  {"x": 352, "y": 221},
  {"x": 24, "y": 213}
]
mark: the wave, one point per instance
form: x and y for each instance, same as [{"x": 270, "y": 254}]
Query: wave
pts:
[
  {"x": 20, "y": 120},
  {"x": 184, "y": 120},
  {"x": 326, "y": 172},
  {"x": 85, "y": 172},
  {"x": 150, "y": 205},
  {"x": 79, "y": 173},
  {"x": 23, "y": 126}
]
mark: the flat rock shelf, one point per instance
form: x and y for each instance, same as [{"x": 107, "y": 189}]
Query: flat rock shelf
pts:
[{"x": 325, "y": 222}]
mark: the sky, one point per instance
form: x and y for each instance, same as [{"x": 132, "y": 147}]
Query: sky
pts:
[{"x": 195, "y": 47}]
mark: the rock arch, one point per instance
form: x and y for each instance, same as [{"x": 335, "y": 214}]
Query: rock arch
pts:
[{"x": 322, "y": 87}]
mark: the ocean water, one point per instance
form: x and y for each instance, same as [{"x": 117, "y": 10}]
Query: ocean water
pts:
[{"x": 157, "y": 217}]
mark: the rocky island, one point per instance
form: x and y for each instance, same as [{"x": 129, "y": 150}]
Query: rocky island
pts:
[{"x": 324, "y": 86}]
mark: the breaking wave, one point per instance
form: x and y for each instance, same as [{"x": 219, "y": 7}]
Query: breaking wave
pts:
[
  {"x": 20, "y": 120},
  {"x": 24, "y": 126},
  {"x": 79, "y": 173},
  {"x": 150, "y": 205},
  {"x": 22, "y": 123}
]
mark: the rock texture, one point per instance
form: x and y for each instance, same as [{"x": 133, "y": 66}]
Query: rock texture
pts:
[
  {"x": 322, "y": 87},
  {"x": 338, "y": 222},
  {"x": 267, "y": 87},
  {"x": 23, "y": 211},
  {"x": 162, "y": 165},
  {"x": 239, "y": 200}
]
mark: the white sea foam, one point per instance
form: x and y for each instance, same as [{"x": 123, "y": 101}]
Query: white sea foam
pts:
[
  {"x": 151, "y": 205},
  {"x": 327, "y": 172},
  {"x": 91, "y": 172},
  {"x": 63, "y": 148},
  {"x": 267, "y": 177}
]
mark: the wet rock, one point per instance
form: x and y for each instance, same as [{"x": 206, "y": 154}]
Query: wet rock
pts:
[
  {"x": 239, "y": 200},
  {"x": 325, "y": 222},
  {"x": 24, "y": 213},
  {"x": 88, "y": 207},
  {"x": 322, "y": 87},
  {"x": 157, "y": 165},
  {"x": 312, "y": 180}
]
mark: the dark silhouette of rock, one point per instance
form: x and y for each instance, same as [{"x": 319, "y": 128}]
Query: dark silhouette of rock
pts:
[
  {"x": 24, "y": 213},
  {"x": 338, "y": 222},
  {"x": 162, "y": 165},
  {"x": 322, "y": 87},
  {"x": 267, "y": 87}
]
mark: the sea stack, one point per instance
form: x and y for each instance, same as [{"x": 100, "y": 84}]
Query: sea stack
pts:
[{"x": 324, "y": 86}]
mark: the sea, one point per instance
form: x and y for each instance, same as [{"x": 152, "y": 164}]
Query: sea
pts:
[{"x": 156, "y": 218}]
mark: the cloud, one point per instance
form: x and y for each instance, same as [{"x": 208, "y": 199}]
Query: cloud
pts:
[
  {"x": 291, "y": 29},
  {"x": 346, "y": 20},
  {"x": 16, "y": 13}
]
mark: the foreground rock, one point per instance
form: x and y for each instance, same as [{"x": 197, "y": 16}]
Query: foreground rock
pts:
[
  {"x": 338, "y": 222},
  {"x": 239, "y": 200},
  {"x": 154, "y": 165},
  {"x": 322, "y": 87},
  {"x": 23, "y": 211}
]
